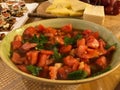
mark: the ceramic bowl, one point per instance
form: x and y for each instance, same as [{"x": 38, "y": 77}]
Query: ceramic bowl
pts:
[{"x": 56, "y": 23}]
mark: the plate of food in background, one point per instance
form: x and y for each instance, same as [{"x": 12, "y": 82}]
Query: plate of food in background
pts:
[{"x": 13, "y": 14}]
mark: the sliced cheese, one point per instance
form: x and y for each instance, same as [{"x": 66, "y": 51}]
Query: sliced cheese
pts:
[
  {"x": 73, "y": 13},
  {"x": 49, "y": 8},
  {"x": 64, "y": 3},
  {"x": 60, "y": 12},
  {"x": 67, "y": 8},
  {"x": 94, "y": 14},
  {"x": 77, "y": 5}
]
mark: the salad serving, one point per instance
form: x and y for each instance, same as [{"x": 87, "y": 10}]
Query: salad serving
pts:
[{"x": 61, "y": 53}]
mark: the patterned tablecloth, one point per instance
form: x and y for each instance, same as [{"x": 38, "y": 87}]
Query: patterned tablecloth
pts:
[{"x": 9, "y": 80}]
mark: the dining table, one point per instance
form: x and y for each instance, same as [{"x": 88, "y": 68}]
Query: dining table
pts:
[{"x": 9, "y": 80}]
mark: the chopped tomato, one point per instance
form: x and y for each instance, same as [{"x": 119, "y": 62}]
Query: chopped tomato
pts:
[
  {"x": 42, "y": 60},
  {"x": 101, "y": 48},
  {"x": 95, "y": 34},
  {"x": 23, "y": 68},
  {"x": 27, "y": 46},
  {"x": 16, "y": 58},
  {"x": 45, "y": 72},
  {"x": 86, "y": 32},
  {"x": 40, "y": 28},
  {"x": 59, "y": 40},
  {"x": 53, "y": 72},
  {"x": 67, "y": 28},
  {"x": 48, "y": 52},
  {"x": 87, "y": 69},
  {"x": 63, "y": 72},
  {"x": 92, "y": 42},
  {"x": 16, "y": 44},
  {"x": 32, "y": 57},
  {"x": 92, "y": 53},
  {"x": 102, "y": 62},
  {"x": 70, "y": 61},
  {"x": 66, "y": 49},
  {"x": 30, "y": 31},
  {"x": 51, "y": 30},
  {"x": 81, "y": 42},
  {"x": 18, "y": 38}
]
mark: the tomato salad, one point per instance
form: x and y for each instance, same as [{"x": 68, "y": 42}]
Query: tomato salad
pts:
[{"x": 61, "y": 53}]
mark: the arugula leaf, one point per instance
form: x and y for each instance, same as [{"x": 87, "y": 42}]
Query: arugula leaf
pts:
[
  {"x": 57, "y": 56},
  {"x": 108, "y": 46},
  {"x": 34, "y": 70},
  {"x": 79, "y": 74}
]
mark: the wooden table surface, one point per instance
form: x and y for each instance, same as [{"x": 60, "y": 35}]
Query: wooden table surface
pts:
[{"x": 110, "y": 81}]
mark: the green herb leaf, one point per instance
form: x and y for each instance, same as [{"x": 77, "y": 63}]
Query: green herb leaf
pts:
[
  {"x": 78, "y": 36},
  {"x": 51, "y": 47},
  {"x": 108, "y": 46},
  {"x": 57, "y": 56},
  {"x": 34, "y": 39},
  {"x": 39, "y": 40},
  {"x": 43, "y": 39},
  {"x": 34, "y": 70},
  {"x": 79, "y": 74},
  {"x": 11, "y": 53},
  {"x": 68, "y": 40},
  {"x": 72, "y": 40}
]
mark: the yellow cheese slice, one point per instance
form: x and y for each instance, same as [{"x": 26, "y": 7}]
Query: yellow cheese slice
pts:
[
  {"x": 60, "y": 12},
  {"x": 73, "y": 13},
  {"x": 49, "y": 8},
  {"x": 78, "y": 5},
  {"x": 67, "y": 8},
  {"x": 63, "y": 3}
]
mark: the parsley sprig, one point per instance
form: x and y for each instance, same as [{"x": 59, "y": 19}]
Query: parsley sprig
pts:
[
  {"x": 72, "y": 40},
  {"x": 34, "y": 69},
  {"x": 79, "y": 74},
  {"x": 41, "y": 41}
]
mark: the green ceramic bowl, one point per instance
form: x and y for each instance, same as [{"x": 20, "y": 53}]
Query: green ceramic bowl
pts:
[{"x": 77, "y": 24}]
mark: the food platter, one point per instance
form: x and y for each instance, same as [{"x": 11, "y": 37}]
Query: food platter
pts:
[
  {"x": 41, "y": 11},
  {"x": 21, "y": 20}
]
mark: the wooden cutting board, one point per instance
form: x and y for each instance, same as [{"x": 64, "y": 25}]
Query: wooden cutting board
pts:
[
  {"x": 111, "y": 22},
  {"x": 42, "y": 7}
]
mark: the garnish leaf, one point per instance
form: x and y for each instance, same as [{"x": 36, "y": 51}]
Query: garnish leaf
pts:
[
  {"x": 34, "y": 70},
  {"x": 108, "y": 46},
  {"x": 41, "y": 41},
  {"x": 57, "y": 56},
  {"x": 72, "y": 40},
  {"x": 68, "y": 40},
  {"x": 79, "y": 74}
]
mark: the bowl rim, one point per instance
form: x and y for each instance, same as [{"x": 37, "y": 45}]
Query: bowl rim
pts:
[{"x": 65, "y": 82}]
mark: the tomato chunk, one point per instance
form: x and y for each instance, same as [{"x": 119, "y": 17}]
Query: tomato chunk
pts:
[{"x": 67, "y": 28}]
